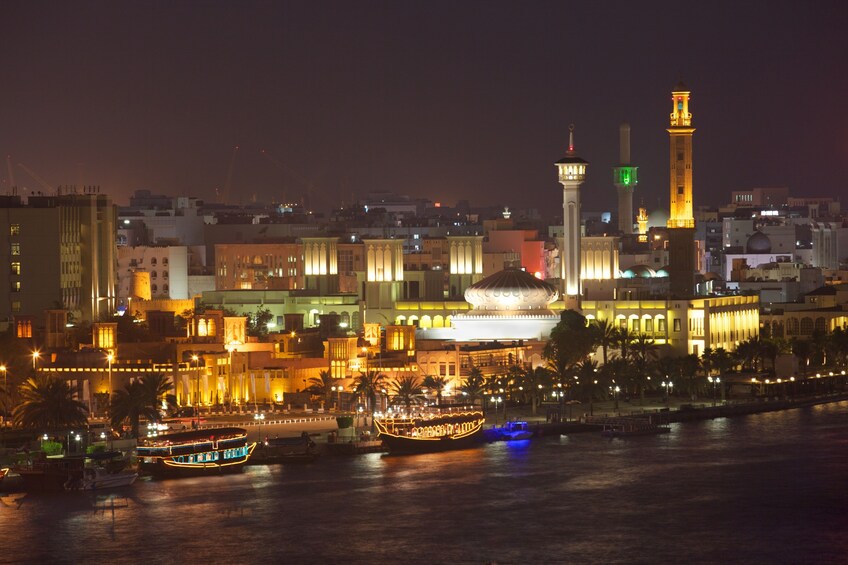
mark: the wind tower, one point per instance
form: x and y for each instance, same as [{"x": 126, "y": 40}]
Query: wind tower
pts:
[
  {"x": 572, "y": 174},
  {"x": 625, "y": 178},
  {"x": 681, "y": 223}
]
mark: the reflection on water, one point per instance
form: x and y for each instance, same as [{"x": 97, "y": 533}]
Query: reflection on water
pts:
[{"x": 765, "y": 488}]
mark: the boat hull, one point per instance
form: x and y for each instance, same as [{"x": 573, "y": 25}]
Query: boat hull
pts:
[
  {"x": 109, "y": 480},
  {"x": 402, "y": 444}
]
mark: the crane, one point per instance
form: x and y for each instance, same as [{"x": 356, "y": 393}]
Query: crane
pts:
[
  {"x": 307, "y": 184},
  {"x": 11, "y": 172},
  {"x": 35, "y": 177},
  {"x": 224, "y": 195}
]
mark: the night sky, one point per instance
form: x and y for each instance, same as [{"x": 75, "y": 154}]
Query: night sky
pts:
[{"x": 445, "y": 100}]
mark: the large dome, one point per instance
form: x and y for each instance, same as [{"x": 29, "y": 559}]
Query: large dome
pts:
[
  {"x": 758, "y": 243},
  {"x": 511, "y": 290},
  {"x": 639, "y": 272}
]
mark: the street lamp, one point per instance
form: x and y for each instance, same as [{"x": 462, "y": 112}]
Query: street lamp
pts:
[
  {"x": 35, "y": 355},
  {"x": 496, "y": 400},
  {"x": 616, "y": 390},
  {"x": 715, "y": 382},
  {"x": 260, "y": 418},
  {"x": 195, "y": 359},
  {"x": 110, "y": 358},
  {"x": 667, "y": 385},
  {"x": 385, "y": 400}
]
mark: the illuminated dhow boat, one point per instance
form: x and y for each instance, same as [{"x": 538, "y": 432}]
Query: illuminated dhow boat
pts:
[
  {"x": 196, "y": 452},
  {"x": 437, "y": 431}
]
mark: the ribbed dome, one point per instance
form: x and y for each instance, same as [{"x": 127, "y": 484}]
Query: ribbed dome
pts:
[
  {"x": 639, "y": 272},
  {"x": 758, "y": 243},
  {"x": 511, "y": 289}
]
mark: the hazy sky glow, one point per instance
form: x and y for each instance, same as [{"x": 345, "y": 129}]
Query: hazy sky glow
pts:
[{"x": 439, "y": 99}]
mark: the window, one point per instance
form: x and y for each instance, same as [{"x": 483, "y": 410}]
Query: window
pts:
[
  {"x": 16, "y": 268},
  {"x": 649, "y": 325},
  {"x": 15, "y": 229},
  {"x": 16, "y": 286},
  {"x": 661, "y": 325},
  {"x": 16, "y": 306},
  {"x": 677, "y": 324},
  {"x": 16, "y": 249}
]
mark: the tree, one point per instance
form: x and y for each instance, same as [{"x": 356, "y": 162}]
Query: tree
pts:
[
  {"x": 257, "y": 322},
  {"x": 623, "y": 338},
  {"x": 534, "y": 382},
  {"x": 473, "y": 385},
  {"x": 368, "y": 384},
  {"x": 605, "y": 336},
  {"x": 644, "y": 352},
  {"x": 437, "y": 384},
  {"x": 803, "y": 350},
  {"x": 571, "y": 341},
  {"x": 588, "y": 382},
  {"x": 322, "y": 386},
  {"x": 407, "y": 391},
  {"x": 139, "y": 399},
  {"x": 48, "y": 404}
]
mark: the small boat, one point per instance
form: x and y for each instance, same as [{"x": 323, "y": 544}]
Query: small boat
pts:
[
  {"x": 440, "y": 429},
  {"x": 510, "y": 431},
  {"x": 196, "y": 452},
  {"x": 300, "y": 449},
  {"x": 3, "y": 473},
  {"x": 628, "y": 427},
  {"x": 95, "y": 478},
  {"x": 49, "y": 473}
]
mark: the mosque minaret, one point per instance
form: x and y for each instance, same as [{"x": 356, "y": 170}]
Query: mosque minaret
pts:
[
  {"x": 625, "y": 178},
  {"x": 572, "y": 174}
]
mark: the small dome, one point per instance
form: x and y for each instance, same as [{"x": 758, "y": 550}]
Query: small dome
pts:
[
  {"x": 639, "y": 272},
  {"x": 511, "y": 289},
  {"x": 658, "y": 218},
  {"x": 758, "y": 243},
  {"x": 662, "y": 272}
]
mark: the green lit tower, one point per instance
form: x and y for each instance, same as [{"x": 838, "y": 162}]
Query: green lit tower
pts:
[{"x": 625, "y": 177}]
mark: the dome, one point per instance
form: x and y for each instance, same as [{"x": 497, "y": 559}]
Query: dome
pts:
[
  {"x": 662, "y": 272},
  {"x": 658, "y": 218},
  {"x": 639, "y": 272},
  {"x": 511, "y": 289},
  {"x": 758, "y": 243}
]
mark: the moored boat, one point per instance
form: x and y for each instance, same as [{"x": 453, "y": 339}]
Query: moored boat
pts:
[
  {"x": 300, "y": 449},
  {"x": 50, "y": 474},
  {"x": 196, "y": 452},
  {"x": 510, "y": 431},
  {"x": 440, "y": 429},
  {"x": 96, "y": 478},
  {"x": 633, "y": 427}
]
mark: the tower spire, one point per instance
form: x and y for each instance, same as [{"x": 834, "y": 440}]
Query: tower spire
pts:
[{"x": 572, "y": 173}]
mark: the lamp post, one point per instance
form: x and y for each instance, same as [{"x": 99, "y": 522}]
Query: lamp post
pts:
[
  {"x": 385, "y": 405},
  {"x": 35, "y": 355},
  {"x": 615, "y": 392},
  {"x": 110, "y": 358},
  {"x": 716, "y": 381},
  {"x": 195, "y": 359},
  {"x": 5, "y": 401},
  {"x": 667, "y": 386},
  {"x": 259, "y": 419}
]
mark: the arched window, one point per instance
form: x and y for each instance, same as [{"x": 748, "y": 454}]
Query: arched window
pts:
[
  {"x": 806, "y": 326},
  {"x": 425, "y": 322},
  {"x": 792, "y": 326},
  {"x": 821, "y": 325}
]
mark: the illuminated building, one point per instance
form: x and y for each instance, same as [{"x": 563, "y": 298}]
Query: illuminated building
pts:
[
  {"x": 572, "y": 173},
  {"x": 625, "y": 178},
  {"x": 681, "y": 223}
]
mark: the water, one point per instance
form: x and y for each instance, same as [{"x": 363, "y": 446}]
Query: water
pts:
[{"x": 769, "y": 488}]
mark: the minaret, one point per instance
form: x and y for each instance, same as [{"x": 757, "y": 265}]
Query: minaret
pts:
[
  {"x": 625, "y": 178},
  {"x": 642, "y": 220},
  {"x": 680, "y": 159},
  {"x": 572, "y": 173},
  {"x": 681, "y": 223}
]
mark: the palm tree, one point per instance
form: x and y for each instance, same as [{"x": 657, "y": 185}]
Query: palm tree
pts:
[
  {"x": 587, "y": 377},
  {"x": 535, "y": 381},
  {"x": 322, "y": 386},
  {"x": 803, "y": 350},
  {"x": 368, "y": 385},
  {"x": 139, "y": 399},
  {"x": 437, "y": 384},
  {"x": 407, "y": 391},
  {"x": 48, "y": 404},
  {"x": 473, "y": 385},
  {"x": 605, "y": 334},
  {"x": 644, "y": 352},
  {"x": 623, "y": 338}
]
